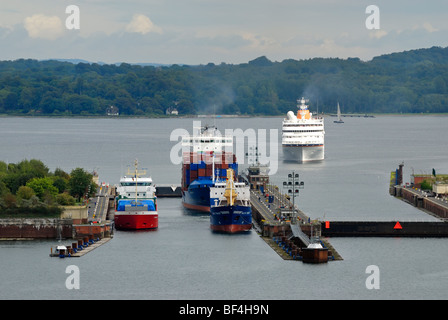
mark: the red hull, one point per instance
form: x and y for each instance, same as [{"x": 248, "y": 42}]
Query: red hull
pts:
[
  {"x": 136, "y": 221},
  {"x": 231, "y": 228}
]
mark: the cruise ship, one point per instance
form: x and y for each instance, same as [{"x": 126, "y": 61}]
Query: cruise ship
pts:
[
  {"x": 303, "y": 135},
  {"x": 136, "y": 202}
]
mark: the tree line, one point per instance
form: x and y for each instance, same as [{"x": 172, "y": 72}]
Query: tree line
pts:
[
  {"x": 413, "y": 81},
  {"x": 29, "y": 187}
]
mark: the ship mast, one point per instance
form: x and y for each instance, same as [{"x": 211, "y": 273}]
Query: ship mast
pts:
[
  {"x": 136, "y": 174},
  {"x": 230, "y": 192},
  {"x": 213, "y": 166}
]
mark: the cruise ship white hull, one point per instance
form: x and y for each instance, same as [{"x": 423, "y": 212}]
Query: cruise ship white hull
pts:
[
  {"x": 303, "y": 153},
  {"x": 303, "y": 135}
]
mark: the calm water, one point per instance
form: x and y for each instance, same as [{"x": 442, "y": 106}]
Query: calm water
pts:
[{"x": 184, "y": 260}]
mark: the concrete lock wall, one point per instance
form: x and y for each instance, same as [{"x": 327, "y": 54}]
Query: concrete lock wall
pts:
[
  {"x": 98, "y": 231},
  {"x": 35, "y": 228},
  {"x": 78, "y": 214}
]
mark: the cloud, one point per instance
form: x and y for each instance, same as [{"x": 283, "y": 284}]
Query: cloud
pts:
[
  {"x": 258, "y": 41},
  {"x": 428, "y": 27},
  {"x": 377, "y": 34},
  {"x": 44, "y": 27},
  {"x": 142, "y": 24}
]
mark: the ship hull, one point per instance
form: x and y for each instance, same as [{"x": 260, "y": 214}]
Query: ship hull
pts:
[
  {"x": 136, "y": 221},
  {"x": 303, "y": 153},
  {"x": 231, "y": 219},
  {"x": 197, "y": 198},
  {"x": 199, "y": 174}
]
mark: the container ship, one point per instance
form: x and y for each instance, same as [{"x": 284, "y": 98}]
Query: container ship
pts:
[
  {"x": 206, "y": 157},
  {"x": 231, "y": 211},
  {"x": 303, "y": 135},
  {"x": 136, "y": 202}
]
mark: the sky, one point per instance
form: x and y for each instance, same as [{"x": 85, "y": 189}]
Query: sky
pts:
[{"x": 215, "y": 31}]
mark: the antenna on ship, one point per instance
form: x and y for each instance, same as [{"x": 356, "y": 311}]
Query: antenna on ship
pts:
[
  {"x": 135, "y": 176},
  {"x": 213, "y": 166},
  {"x": 214, "y": 116}
]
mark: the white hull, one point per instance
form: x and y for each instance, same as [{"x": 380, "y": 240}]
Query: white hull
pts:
[
  {"x": 303, "y": 154},
  {"x": 303, "y": 135}
]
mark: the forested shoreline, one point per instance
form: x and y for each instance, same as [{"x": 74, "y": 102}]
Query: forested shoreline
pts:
[{"x": 413, "y": 81}]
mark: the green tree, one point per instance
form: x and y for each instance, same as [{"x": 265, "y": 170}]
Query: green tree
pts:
[
  {"x": 25, "y": 192},
  {"x": 35, "y": 167},
  {"x": 19, "y": 174},
  {"x": 64, "y": 199},
  {"x": 61, "y": 173},
  {"x": 10, "y": 200},
  {"x": 79, "y": 183},
  {"x": 3, "y": 166},
  {"x": 426, "y": 185},
  {"x": 43, "y": 187},
  {"x": 3, "y": 188},
  {"x": 60, "y": 183}
]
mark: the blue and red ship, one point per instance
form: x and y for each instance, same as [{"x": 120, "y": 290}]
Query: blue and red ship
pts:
[
  {"x": 205, "y": 161},
  {"x": 231, "y": 212},
  {"x": 206, "y": 165}
]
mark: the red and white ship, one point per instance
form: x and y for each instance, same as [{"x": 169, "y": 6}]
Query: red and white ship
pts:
[{"x": 136, "y": 202}]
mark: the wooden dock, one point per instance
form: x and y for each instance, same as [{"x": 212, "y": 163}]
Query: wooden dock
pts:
[
  {"x": 91, "y": 247},
  {"x": 80, "y": 251}
]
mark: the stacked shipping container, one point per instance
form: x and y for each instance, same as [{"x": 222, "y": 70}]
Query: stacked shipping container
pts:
[{"x": 200, "y": 166}]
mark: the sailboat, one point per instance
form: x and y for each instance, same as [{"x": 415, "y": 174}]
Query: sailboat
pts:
[{"x": 339, "y": 116}]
